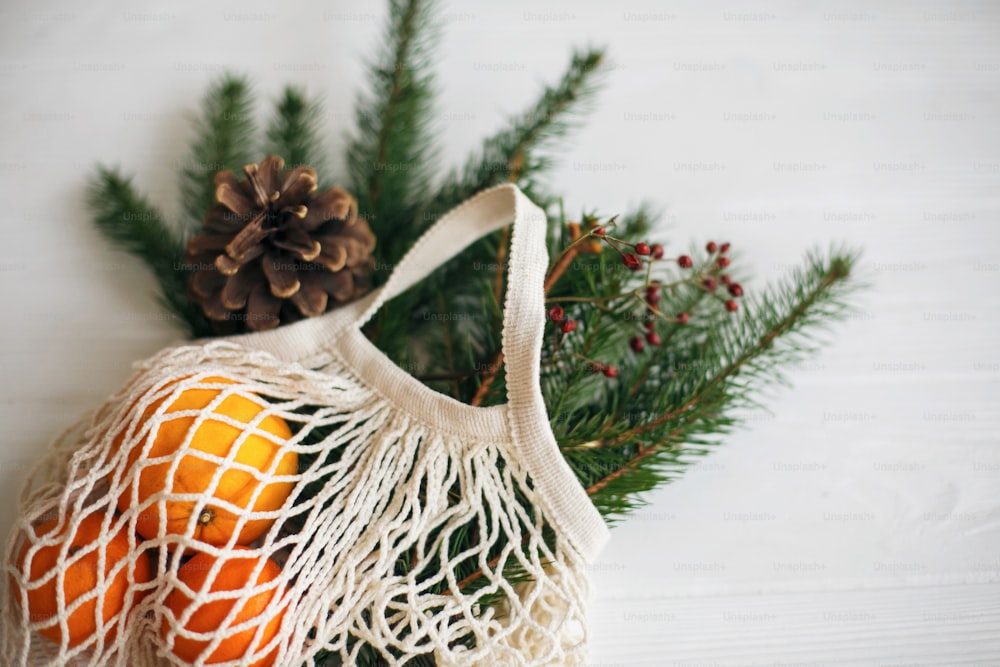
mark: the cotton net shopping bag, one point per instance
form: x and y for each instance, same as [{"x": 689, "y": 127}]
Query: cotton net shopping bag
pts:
[{"x": 268, "y": 498}]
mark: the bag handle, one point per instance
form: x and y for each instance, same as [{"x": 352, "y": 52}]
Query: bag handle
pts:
[
  {"x": 524, "y": 305},
  {"x": 484, "y": 213},
  {"x": 523, "y": 330}
]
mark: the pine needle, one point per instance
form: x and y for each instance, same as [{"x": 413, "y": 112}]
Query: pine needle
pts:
[
  {"x": 133, "y": 224},
  {"x": 517, "y": 147},
  {"x": 681, "y": 410},
  {"x": 293, "y": 132},
  {"x": 391, "y": 155},
  {"x": 224, "y": 135}
]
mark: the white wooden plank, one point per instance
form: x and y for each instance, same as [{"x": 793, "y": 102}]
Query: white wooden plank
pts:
[{"x": 954, "y": 625}]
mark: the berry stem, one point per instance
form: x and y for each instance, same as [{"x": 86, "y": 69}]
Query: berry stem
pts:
[
  {"x": 614, "y": 297},
  {"x": 656, "y": 311},
  {"x": 566, "y": 257}
]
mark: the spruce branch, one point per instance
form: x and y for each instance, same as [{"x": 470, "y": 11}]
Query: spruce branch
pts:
[
  {"x": 294, "y": 131},
  {"x": 510, "y": 153},
  {"x": 132, "y": 223},
  {"x": 224, "y": 135},
  {"x": 391, "y": 154},
  {"x": 706, "y": 380}
]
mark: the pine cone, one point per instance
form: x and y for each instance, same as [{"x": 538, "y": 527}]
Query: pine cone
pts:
[{"x": 271, "y": 251}]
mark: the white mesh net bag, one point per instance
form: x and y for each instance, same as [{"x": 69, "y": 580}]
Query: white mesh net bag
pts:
[{"x": 271, "y": 498}]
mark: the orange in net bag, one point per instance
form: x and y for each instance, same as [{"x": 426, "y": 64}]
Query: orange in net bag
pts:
[
  {"x": 223, "y": 641},
  {"x": 213, "y": 424},
  {"x": 78, "y": 579}
]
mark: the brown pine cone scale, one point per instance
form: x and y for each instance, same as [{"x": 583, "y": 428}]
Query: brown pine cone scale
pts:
[{"x": 273, "y": 250}]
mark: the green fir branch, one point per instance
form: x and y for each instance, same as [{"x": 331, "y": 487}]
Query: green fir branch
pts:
[
  {"x": 512, "y": 153},
  {"x": 294, "y": 130},
  {"x": 132, "y": 223},
  {"x": 224, "y": 136},
  {"x": 680, "y": 411},
  {"x": 391, "y": 155}
]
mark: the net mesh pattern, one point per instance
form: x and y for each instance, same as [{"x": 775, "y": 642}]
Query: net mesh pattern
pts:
[{"x": 393, "y": 540}]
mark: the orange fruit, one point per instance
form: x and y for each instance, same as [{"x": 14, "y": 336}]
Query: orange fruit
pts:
[
  {"x": 79, "y": 578},
  {"x": 236, "y": 574},
  {"x": 215, "y": 522}
]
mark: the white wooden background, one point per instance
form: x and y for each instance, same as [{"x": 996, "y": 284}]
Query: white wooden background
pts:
[{"x": 858, "y": 522}]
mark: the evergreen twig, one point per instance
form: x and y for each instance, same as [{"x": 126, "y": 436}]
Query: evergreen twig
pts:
[
  {"x": 510, "y": 154},
  {"x": 224, "y": 135},
  {"x": 512, "y": 150},
  {"x": 129, "y": 221},
  {"x": 684, "y": 410},
  {"x": 293, "y": 132},
  {"x": 391, "y": 155}
]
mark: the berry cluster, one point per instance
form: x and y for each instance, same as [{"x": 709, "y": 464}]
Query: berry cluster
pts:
[
  {"x": 706, "y": 275},
  {"x": 630, "y": 258},
  {"x": 710, "y": 284}
]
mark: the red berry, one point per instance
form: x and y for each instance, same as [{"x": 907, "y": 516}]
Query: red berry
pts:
[
  {"x": 632, "y": 261},
  {"x": 732, "y": 306},
  {"x": 711, "y": 247},
  {"x": 685, "y": 262},
  {"x": 726, "y": 280},
  {"x": 683, "y": 318},
  {"x": 653, "y": 338},
  {"x": 568, "y": 326},
  {"x": 556, "y": 313},
  {"x": 724, "y": 248},
  {"x": 736, "y": 289},
  {"x": 642, "y": 248},
  {"x": 657, "y": 250},
  {"x": 653, "y": 294},
  {"x": 636, "y": 344},
  {"x": 650, "y": 325},
  {"x": 710, "y": 284},
  {"x": 723, "y": 262},
  {"x": 610, "y": 371},
  {"x": 600, "y": 231}
]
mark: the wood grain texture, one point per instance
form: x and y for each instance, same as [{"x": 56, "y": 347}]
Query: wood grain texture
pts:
[
  {"x": 954, "y": 625},
  {"x": 872, "y": 487}
]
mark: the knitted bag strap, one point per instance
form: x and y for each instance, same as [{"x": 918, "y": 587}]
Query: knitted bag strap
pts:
[
  {"x": 487, "y": 212},
  {"x": 523, "y": 330},
  {"x": 569, "y": 506}
]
